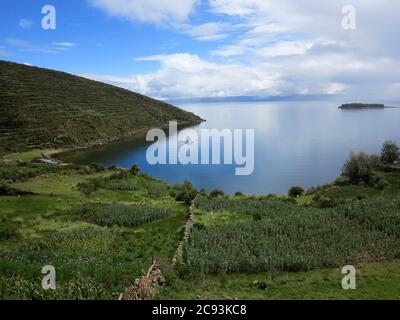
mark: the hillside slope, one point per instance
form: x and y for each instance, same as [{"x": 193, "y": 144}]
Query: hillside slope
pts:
[{"x": 41, "y": 108}]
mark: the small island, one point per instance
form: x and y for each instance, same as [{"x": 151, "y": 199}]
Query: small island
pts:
[{"x": 361, "y": 106}]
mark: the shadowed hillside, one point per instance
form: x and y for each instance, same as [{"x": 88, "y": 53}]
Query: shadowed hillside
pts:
[{"x": 41, "y": 108}]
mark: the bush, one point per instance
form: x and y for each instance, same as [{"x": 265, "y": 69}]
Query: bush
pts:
[
  {"x": 217, "y": 193},
  {"x": 358, "y": 167},
  {"x": 187, "y": 196},
  {"x": 135, "y": 170},
  {"x": 239, "y": 194},
  {"x": 296, "y": 192},
  {"x": 157, "y": 191},
  {"x": 342, "y": 181},
  {"x": 87, "y": 188},
  {"x": 97, "y": 167},
  {"x": 203, "y": 192},
  {"x": 390, "y": 152},
  {"x": 120, "y": 175}
]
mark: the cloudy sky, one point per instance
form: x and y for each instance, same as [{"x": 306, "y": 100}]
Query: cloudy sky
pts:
[{"x": 213, "y": 48}]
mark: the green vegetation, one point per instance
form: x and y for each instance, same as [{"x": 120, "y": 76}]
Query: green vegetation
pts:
[
  {"x": 292, "y": 238},
  {"x": 296, "y": 192},
  {"x": 45, "y": 109},
  {"x": 375, "y": 281},
  {"x": 98, "y": 242},
  {"x": 121, "y": 215},
  {"x": 359, "y": 167},
  {"x": 101, "y": 227},
  {"x": 390, "y": 152}
]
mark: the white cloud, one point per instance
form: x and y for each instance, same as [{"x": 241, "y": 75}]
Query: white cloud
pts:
[
  {"x": 64, "y": 44},
  {"x": 149, "y": 11},
  {"x": 210, "y": 31},
  {"x": 27, "y": 46},
  {"x": 186, "y": 75},
  {"x": 25, "y": 23},
  {"x": 276, "y": 48}
]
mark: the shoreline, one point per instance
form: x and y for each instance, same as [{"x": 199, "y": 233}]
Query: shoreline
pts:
[{"x": 132, "y": 135}]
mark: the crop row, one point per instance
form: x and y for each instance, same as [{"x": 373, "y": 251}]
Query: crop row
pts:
[
  {"x": 301, "y": 240},
  {"x": 121, "y": 215},
  {"x": 250, "y": 206}
]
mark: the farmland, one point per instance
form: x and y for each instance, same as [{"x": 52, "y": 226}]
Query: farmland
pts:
[
  {"x": 98, "y": 242},
  {"x": 292, "y": 238},
  {"x": 101, "y": 227}
]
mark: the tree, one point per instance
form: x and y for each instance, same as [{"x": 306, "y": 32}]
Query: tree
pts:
[
  {"x": 296, "y": 192},
  {"x": 135, "y": 170},
  {"x": 359, "y": 167},
  {"x": 217, "y": 193},
  {"x": 390, "y": 152}
]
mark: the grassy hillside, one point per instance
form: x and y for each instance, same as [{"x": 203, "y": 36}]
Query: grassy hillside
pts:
[
  {"x": 102, "y": 227},
  {"x": 41, "y": 109}
]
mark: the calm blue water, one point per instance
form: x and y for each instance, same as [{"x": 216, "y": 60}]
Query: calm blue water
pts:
[{"x": 296, "y": 143}]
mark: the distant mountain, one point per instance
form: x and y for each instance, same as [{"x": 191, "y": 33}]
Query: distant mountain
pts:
[
  {"x": 295, "y": 97},
  {"x": 42, "y": 108}
]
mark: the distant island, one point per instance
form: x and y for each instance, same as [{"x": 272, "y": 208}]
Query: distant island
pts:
[{"x": 361, "y": 106}]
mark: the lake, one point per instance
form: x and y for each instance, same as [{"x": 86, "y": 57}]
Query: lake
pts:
[{"x": 296, "y": 143}]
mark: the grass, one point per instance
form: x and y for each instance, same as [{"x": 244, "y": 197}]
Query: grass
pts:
[
  {"x": 375, "y": 281},
  {"x": 92, "y": 262},
  {"x": 213, "y": 219},
  {"x": 238, "y": 245},
  {"x": 301, "y": 241},
  {"x": 45, "y": 109}
]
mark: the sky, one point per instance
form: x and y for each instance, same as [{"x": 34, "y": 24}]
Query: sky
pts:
[{"x": 171, "y": 49}]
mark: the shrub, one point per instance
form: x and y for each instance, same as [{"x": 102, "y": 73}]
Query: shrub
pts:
[
  {"x": 87, "y": 188},
  {"x": 296, "y": 192},
  {"x": 217, "y": 193},
  {"x": 239, "y": 194},
  {"x": 187, "y": 196},
  {"x": 342, "y": 181},
  {"x": 135, "y": 170},
  {"x": 157, "y": 191},
  {"x": 120, "y": 175},
  {"x": 381, "y": 184},
  {"x": 97, "y": 167},
  {"x": 203, "y": 192},
  {"x": 185, "y": 192},
  {"x": 390, "y": 152},
  {"x": 359, "y": 167}
]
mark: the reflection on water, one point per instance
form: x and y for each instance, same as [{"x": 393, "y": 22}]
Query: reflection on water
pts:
[{"x": 296, "y": 143}]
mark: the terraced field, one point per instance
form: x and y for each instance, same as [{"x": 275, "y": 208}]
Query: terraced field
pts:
[
  {"x": 42, "y": 109},
  {"x": 100, "y": 228},
  {"x": 98, "y": 243},
  {"x": 287, "y": 237}
]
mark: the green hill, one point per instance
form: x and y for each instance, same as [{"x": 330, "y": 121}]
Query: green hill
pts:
[{"x": 42, "y": 108}]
